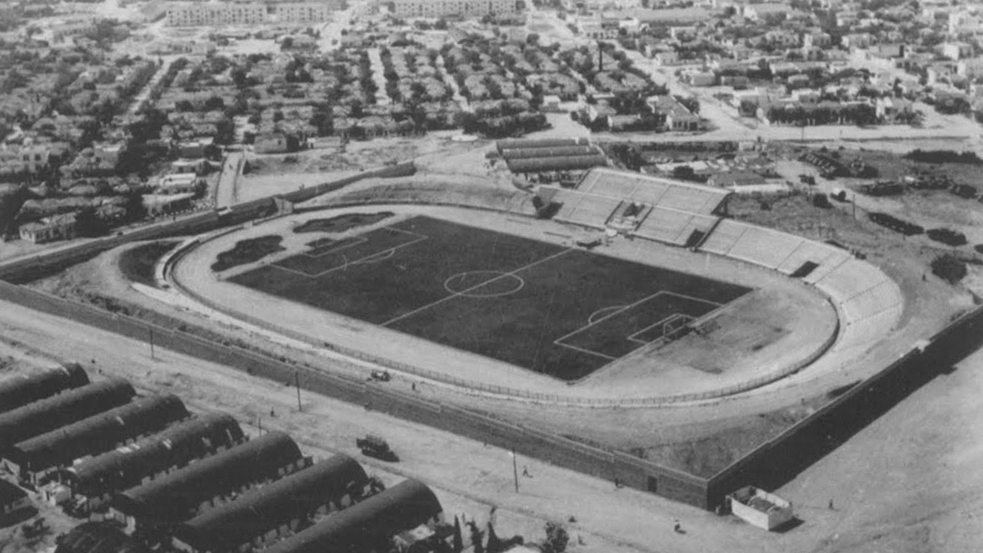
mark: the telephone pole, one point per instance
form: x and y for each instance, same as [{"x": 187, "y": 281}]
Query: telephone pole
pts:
[{"x": 297, "y": 385}]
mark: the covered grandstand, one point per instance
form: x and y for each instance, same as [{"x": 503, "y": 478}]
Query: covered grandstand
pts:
[
  {"x": 288, "y": 502},
  {"x": 56, "y": 411},
  {"x": 369, "y": 523},
  {"x": 178, "y": 495},
  {"x": 664, "y": 210},
  {"x": 96, "y": 434},
  {"x": 172, "y": 448},
  {"x": 23, "y": 389}
]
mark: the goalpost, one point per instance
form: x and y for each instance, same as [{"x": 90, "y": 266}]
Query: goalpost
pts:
[{"x": 674, "y": 326}]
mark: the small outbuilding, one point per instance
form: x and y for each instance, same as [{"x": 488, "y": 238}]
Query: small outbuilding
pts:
[
  {"x": 760, "y": 508},
  {"x": 13, "y": 501}
]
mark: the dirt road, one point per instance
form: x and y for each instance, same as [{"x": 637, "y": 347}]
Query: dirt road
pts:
[{"x": 467, "y": 474}]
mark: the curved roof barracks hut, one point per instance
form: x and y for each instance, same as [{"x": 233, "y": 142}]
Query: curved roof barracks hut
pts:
[
  {"x": 400, "y": 508},
  {"x": 24, "y": 389},
  {"x": 174, "y": 447},
  {"x": 283, "y": 503},
  {"x": 177, "y": 496},
  {"x": 96, "y": 434},
  {"x": 54, "y": 412},
  {"x": 98, "y": 537}
]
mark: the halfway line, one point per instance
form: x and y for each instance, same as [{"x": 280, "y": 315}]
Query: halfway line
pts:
[{"x": 475, "y": 287}]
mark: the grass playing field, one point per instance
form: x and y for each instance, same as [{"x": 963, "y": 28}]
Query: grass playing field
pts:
[{"x": 558, "y": 311}]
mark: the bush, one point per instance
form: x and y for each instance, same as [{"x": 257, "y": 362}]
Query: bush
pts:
[
  {"x": 821, "y": 201},
  {"x": 895, "y": 224},
  {"x": 949, "y": 268},
  {"x": 943, "y": 156},
  {"x": 947, "y": 236}
]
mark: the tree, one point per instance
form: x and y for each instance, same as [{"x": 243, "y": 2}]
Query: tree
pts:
[
  {"x": 494, "y": 543},
  {"x": 214, "y": 103},
  {"x": 556, "y": 538},
  {"x": 287, "y": 43},
  {"x": 684, "y": 172},
  {"x": 949, "y": 268}
]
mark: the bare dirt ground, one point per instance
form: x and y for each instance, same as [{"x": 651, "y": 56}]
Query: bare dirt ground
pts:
[{"x": 909, "y": 482}]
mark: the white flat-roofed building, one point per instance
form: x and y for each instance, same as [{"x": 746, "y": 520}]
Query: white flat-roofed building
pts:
[
  {"x": 304, "y": 12},
  {"x": 198, "y": 15},
  {"x": 440, "y": 8}
]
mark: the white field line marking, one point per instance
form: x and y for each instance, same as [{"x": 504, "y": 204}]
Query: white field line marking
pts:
[
  {"x": 419, "y": 238},
  {"x": 476, "y": 286},
  {"x": 349, "y": 243},
  {"x": 588, "y": 351}
]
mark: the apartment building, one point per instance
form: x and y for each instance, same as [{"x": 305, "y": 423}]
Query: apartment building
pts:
[{"x": 441, "y": 8}]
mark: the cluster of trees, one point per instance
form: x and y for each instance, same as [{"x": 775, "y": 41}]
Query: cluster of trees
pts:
[
  {"x": 898, "y": 225},
  {"x": 857, "y": 114},
  {"x": 501, "y": 126},
  {"x": 944, "y": 156}
]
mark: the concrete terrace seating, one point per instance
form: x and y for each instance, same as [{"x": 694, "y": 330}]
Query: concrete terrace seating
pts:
[
  {"x": 871, "y": 302},
  {"x": 654, "y": 191},
  {"x": 674, "y": 227},
  {"x": 815, "y": 252},
  {"x": 865, "y": 332},
  {"x": 765, "y": 247},
  {"x": 585, "y": 209},
  {"x": 850, "y": 279},
  {"x": 724, "y": 237}
]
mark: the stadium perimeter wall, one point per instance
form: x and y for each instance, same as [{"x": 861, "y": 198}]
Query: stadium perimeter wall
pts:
[
  {"x": 768, "y": 466},
  {"x": 780, "y": 459},
  {"x": 630, "y": 471}
]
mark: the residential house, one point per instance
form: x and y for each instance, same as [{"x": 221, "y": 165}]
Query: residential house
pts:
[{"x": 49, "y": 229}]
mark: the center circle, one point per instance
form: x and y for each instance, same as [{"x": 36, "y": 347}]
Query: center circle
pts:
[{"x": 484, "y": 284}]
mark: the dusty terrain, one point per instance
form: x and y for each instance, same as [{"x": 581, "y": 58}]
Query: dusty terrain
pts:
[{"x": 909, "y": 482}]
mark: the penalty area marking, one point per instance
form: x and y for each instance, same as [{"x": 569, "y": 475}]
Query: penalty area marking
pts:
[
  {"x": 371, "y": 258},
  {"x": 594, "y": 316},
  {"x": 617, "y": 310}
]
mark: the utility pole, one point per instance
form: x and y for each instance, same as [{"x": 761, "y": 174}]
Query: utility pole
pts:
[
  {"x": 152, "y": 358},
  {"x": 297, "y": 384},
  {"x": 515, "y": 470}
]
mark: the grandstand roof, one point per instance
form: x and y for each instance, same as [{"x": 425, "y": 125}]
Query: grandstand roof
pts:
[
  {"x": 56, "y": 411},
  {"x": 402, "y": 507},
  {"x": 561, "y": 163},
  {"x": 98, "y": 432},
  {"x": 656, "y": 191},
  {"x": 174, "y": 496},
  {"x": 514, "y": 144},
  {"x": 175, "y": 446},
  {"x": 98, "y": 537},
  {"x": 258, "y": 511},
  {"x": 23, "y": 389}
]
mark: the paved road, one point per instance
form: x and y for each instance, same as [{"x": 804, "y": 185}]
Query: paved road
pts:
[{"x": 227, "y": 193}]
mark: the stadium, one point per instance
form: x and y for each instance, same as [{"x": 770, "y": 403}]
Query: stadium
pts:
[
  {"x": 623, "y": 325},
  {"x": 676, "y": 304}
]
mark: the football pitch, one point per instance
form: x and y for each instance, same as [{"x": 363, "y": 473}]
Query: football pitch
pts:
[{"x": 554, "y": 310}]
